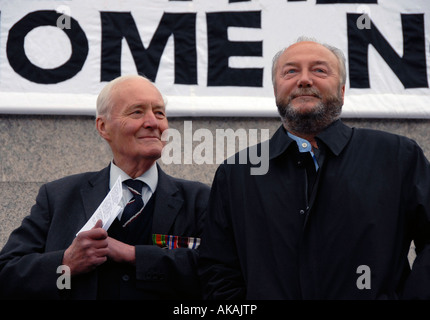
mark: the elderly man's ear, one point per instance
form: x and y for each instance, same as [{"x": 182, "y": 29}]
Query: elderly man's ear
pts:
[{"x": 101, "y": 128}]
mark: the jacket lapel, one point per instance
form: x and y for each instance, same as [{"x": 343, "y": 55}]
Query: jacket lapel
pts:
[
  {"x": 168, "y": 202},
  {"x": 92, "y": 194},
  {"x": 95, "y": 191}
]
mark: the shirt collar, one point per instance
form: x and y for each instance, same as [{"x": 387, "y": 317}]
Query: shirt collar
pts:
[
  {"x": 303, "y": 144},
  {"x": 335, "y": 137},
  {"x": 150, "y": 177}
]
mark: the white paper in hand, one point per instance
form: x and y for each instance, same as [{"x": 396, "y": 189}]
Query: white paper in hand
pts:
[{"x": 108, "y": 210}]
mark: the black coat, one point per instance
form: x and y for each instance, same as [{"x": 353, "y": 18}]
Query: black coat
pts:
[
  {"x": 34, "y": 251},
  {"x": 272, "y": 236}
]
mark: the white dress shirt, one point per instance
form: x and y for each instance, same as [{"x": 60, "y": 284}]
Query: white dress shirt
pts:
[{"x": 150, "y": 178}]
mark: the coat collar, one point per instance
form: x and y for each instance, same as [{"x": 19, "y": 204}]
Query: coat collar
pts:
[
  {"x": 335, "y": 137},
  {"x": 279, "y": 143}
]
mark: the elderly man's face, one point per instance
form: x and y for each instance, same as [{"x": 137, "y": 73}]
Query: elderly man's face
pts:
[
  {"x": 307, "y": 86},
  {"x": 136, "y": 122}
]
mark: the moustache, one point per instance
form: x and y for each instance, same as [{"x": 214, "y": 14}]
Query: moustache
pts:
[{"x": 305, "y": 92}]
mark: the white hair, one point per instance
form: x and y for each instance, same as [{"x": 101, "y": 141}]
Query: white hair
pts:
[{"x": 104, "y": 100}]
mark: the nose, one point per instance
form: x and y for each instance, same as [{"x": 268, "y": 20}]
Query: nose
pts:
[
  {"x": 305, "y": 80},
  {"x": 150, "y": 120}
]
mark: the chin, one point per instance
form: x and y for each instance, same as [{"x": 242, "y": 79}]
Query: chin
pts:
[
  {"x": 150, "y": 150},
  {"x": 305, "y": 108},
  {"x": 153, "y": 153}
]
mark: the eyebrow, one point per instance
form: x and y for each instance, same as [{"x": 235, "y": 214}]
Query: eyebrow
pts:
[
  {"x": 316, "y": 62},
  {"x": 144, "y": 105},
  {"x": 293, "y": 64},
  {"x": 325, "y": 63}
]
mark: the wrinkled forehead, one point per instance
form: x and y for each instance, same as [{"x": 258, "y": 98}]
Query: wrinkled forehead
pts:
[
  {"x": 308, "y": 52},
  {"x": 136, "y": 89}
]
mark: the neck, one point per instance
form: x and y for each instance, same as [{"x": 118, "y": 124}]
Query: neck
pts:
[{"x": 134, "y": 170}]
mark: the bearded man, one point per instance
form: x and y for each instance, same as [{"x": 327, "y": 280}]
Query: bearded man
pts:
[{"x": 334, "y": 216}]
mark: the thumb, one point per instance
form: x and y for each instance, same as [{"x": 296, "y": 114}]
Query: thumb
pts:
[{"x": 98, "y": 224}]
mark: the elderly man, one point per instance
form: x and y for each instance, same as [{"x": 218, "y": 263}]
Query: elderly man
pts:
[
  {"x": 334, "y": 216},
  {"x": 130, "y": 259}
]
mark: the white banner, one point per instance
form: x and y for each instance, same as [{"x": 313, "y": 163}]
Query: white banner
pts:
[{"x": 209, "y": 58}]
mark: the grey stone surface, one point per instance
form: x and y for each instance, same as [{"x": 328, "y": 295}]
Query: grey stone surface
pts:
[
  {"x": 37, "y": 149},
  {"x": 16, "y": 200}
]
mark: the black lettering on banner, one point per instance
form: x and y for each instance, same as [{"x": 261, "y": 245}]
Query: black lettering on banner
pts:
[
  {"x": 119, "y": 25},
  {"x": 220, "y": 49},
  {"x": 19, "y": 61},
  {"x": 410, "y": 68},
  {"x": 229, "y": 1},
  {"x": 346, "y": 1}
]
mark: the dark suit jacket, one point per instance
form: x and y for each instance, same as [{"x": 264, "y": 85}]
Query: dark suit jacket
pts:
[{"x": 34, "y": 251}]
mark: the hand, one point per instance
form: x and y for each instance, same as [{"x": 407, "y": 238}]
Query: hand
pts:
[
  {"x": 88, "y": 250},
  {"x": 121, "y": 252}
]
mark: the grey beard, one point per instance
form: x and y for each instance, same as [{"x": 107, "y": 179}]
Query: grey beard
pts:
[{"x": 323, "y": 114}]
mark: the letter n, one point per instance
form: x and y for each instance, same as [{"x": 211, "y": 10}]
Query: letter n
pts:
[{"x": 410, "y": 68}]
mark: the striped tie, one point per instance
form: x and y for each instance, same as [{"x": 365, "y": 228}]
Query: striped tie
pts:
[{"x": 135, "y": 206}]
